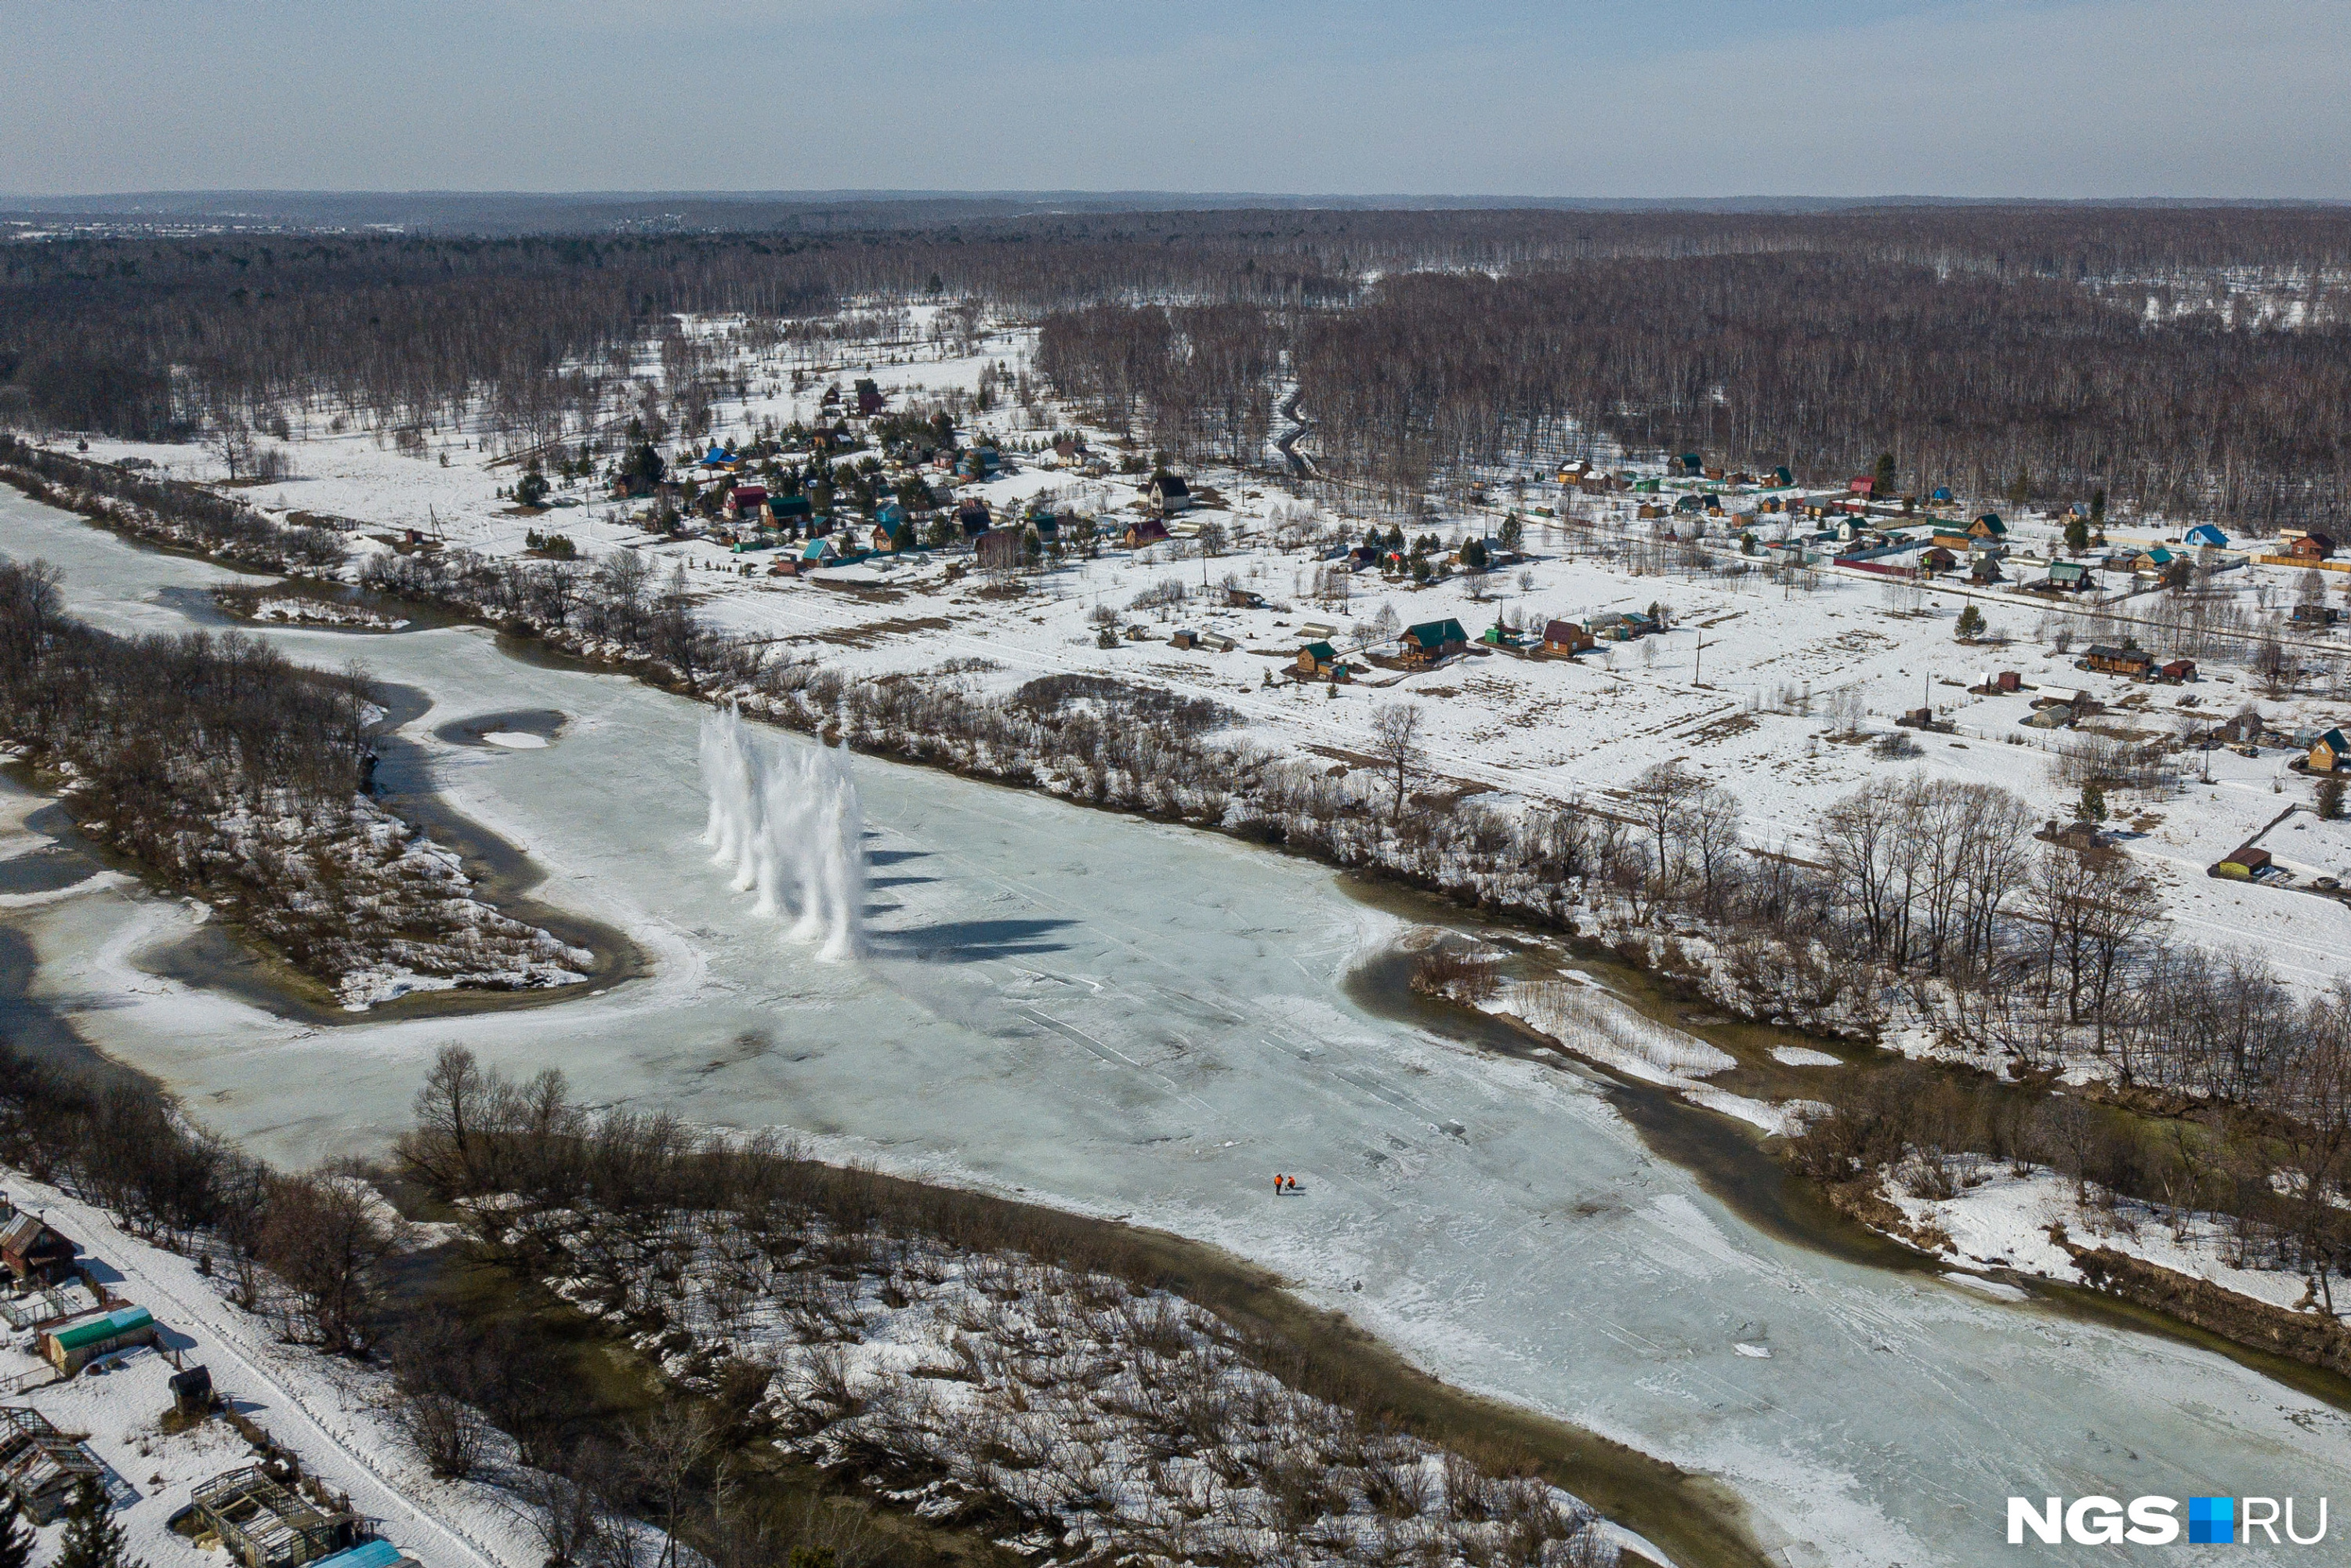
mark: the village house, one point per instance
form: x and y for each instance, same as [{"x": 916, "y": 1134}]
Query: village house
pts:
[
  {"x": 2069, "y": 577},
  {"x": 973, "y": 516},
  {"x": 1987, "y": 526},
  {"x": 1430, "y": 641},
  {"x": 2204, "y": 536},
  {"x": 1319, "y": 659},
  {"x": 2309, "y": 613},
  {"x": 2302, "y": 544},
  {"x": 2178, "y": 672},
  {"x": 745, "y": 502},
  {"x": 1566, "y": 637},
  {"x": 791, "y": 511},
  {"x": 2329, "y": 752},
  {"x": 870, "y": 401},
  {"x": 1145, "y": 531},
  {"x": 2151, "y": 562},
  {"x": 817, "y": 552},
  {"x": 2118, "y": 661},
  {"x": 1168, "y": 494},
  {"x": 33, "y": 1251}
]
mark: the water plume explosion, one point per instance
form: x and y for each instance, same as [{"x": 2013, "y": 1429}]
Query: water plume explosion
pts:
[{"x": 785, "y": 818}]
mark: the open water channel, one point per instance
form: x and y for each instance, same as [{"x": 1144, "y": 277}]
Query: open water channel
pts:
[{"x": 1130, "y": 1019}]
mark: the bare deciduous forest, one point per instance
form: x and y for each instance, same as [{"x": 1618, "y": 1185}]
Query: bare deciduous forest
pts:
[{"x": 2188, "y": 359}]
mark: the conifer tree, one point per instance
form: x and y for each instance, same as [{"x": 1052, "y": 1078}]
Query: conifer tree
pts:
[
  {"x": 15, "y": 1535},
  {"x": 93, "y": 1538}
]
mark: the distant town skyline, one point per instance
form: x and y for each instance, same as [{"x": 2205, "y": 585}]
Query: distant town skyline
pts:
[{"x": 2035, "y": 98}]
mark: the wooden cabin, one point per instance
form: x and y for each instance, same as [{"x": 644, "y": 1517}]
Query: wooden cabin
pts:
[
  {"x": 1430, "y": 641},
  {"x": 1566, "y": 637}
]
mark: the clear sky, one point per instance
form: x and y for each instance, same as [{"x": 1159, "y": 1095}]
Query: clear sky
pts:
[{"x": 1563, "y": 97}]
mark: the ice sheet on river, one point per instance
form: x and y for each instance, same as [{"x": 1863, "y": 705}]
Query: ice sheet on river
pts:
[{"x": 1132, "y": 1020}]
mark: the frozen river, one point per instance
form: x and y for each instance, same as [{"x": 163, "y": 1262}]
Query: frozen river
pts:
[{"x": 1130, "y": 1019}]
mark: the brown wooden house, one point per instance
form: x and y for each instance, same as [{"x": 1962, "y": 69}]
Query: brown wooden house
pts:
[
  {"x": 2119, "y": 661},
  {"x": 1566, "y": 637}
]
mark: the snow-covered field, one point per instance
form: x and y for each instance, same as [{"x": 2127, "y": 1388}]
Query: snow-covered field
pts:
[{"x": 1125, "y": 1019}]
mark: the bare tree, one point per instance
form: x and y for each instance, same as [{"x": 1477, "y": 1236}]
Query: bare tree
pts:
[
  {"x": 1396, "y": 741},
  {"x": 665, "y": 1449}
]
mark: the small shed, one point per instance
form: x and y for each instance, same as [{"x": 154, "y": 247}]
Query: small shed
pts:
[
  {"x": 1431, "y": 640},
  {"x": 817, "y": 553},
  {"x": 1566, "y": 637},
  {"x": 71, "y": 1346},
  {"x": 2177, "y": 672},
  {"x": 2329, "y": 752},
  {"x": 2009, "y": 680}
]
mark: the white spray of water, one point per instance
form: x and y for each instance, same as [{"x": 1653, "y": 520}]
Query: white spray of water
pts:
[{"x": 784, "y": 818}]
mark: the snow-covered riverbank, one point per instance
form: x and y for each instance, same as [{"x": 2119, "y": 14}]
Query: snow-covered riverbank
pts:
[{"x": 1121, "y": 1018}]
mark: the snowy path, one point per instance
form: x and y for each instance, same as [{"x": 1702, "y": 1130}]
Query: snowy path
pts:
[{"x": 305, "y": 1408}]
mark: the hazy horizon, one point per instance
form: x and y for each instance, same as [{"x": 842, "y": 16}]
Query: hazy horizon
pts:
[{"x": 1695, "y": 100}]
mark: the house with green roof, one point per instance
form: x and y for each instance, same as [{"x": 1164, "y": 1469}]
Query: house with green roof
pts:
[{"x": 1430, "y": 641}]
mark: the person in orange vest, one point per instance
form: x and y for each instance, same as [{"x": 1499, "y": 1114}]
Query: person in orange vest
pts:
[{"x": 1277, "y": 1184}]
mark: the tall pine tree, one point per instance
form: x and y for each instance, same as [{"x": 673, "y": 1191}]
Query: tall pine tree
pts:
[{"x": 92, "y": 1539}]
